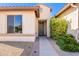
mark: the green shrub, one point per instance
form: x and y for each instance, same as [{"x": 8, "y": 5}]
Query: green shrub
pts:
[
  {"x": 70, "y": 47},
  {"x": 58, "y": 27},
  {"x": 67, "y": 38},
  {"x": 68, "y": 43}
]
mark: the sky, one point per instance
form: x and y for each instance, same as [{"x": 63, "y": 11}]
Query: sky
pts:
[{"x": 56, "y": 7}]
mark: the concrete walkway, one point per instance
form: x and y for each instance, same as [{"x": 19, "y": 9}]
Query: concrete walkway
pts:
[{"x": 45, "y": 47}]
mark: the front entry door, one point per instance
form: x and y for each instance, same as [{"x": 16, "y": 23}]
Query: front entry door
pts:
[{"x": 41, "y": 28}]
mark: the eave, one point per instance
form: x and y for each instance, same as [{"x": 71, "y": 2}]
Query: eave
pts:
[
  {"x": 65, "y": 8},
  {"x": 35, "y": 9}
]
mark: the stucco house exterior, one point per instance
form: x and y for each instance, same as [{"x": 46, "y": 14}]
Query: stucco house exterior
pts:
[
  {"x": 24, "y": 23},
  {"x": 70, "y": 12}
]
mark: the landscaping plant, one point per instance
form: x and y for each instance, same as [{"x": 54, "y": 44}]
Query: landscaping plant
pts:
[
  {"x": 58, "y": 31},
  {"x": 58, "y": 27}
]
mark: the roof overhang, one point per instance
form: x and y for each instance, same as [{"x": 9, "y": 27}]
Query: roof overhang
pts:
[
  {"x": 67, "y": 6},
  {"x": 18, "y": 8},
  {"x": 35, "y": 9},
  {"x": 44, "y": 5}
]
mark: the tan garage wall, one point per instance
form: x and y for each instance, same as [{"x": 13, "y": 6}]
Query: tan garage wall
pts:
[{"x": 28, "y": 22}]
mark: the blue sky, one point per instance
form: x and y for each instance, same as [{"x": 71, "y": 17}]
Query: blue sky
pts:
[{"x": 54, "y": 6}]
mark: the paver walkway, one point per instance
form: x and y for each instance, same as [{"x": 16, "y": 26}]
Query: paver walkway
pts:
[{"x": 46, "y": 48}]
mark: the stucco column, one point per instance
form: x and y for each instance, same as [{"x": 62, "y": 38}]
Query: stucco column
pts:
[
  {"x": 3, "y": 24},
  {"x": 36, "y": 28},
  {"x": 48, "y": 28}
]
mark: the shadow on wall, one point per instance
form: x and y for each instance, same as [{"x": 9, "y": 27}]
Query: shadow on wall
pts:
[{"x": 73, "y": 32}]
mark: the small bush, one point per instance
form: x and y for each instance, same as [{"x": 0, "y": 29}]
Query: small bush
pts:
[
  {"x": 68, "y": 43},
  {"x": 68, "y": 39},
  {"x": 58, "y": 27},
  {"x": 71, "y": 47}
]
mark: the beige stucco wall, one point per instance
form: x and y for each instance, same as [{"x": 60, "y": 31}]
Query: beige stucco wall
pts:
[
  {"x": 3, "y": 24},
  {"x": 45, "y": 12},
  {"x": 36, "y": 28},
  {"x": 28, "y": 21},
  {"x": 45, "y": 28},
  {"x": 18, "y": 38},
  {"x": 48, "y": 27},
  {"x": 71, "y": 15}
]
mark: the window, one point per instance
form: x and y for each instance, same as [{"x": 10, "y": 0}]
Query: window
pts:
[{"x": 14, "y": 24}]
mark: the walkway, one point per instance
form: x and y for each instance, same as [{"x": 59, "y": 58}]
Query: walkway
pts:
[{"x": 46, "y": 48}]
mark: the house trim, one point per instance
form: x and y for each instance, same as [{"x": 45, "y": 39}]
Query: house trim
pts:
[
  {"x": 67, "y": 6},
  {"x": 18, "y": 8},
  {"x": 17, "y": 34}
]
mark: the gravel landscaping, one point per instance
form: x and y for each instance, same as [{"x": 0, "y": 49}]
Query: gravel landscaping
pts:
[{"x": 15, "y": 48}]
